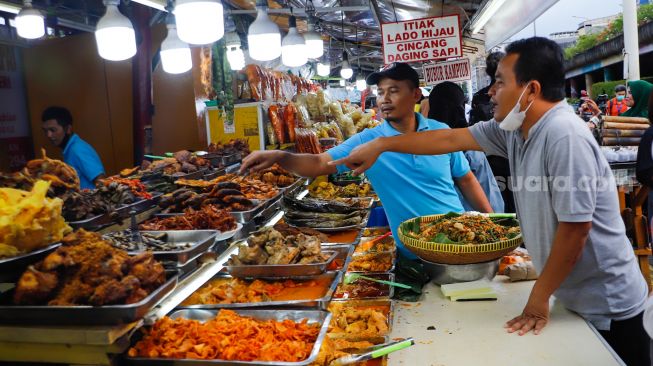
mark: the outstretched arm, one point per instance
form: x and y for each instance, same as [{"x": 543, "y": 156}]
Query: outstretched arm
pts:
[{"x": 419, "y": 143}]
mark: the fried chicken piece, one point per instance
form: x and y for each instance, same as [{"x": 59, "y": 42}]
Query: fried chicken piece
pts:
[
  {"x": 148, "y": 271},
  {"x": 34, "y": 286},
  {"x": 309, "y": 245},
  {"x": 74, "y": 292},
  {"x": 114, "y": 291},
  {"x": 252, "y": 255}
]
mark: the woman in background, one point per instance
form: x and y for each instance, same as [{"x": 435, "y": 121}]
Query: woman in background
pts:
[{"x": 447, "y": 105}]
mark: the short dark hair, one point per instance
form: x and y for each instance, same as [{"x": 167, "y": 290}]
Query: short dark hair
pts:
[
  {"x": 492, "y": 61},
  {"x": 540, "y": 59},
  {"x": 60, "y": 114},
  {"x": 620, "y": 88}
]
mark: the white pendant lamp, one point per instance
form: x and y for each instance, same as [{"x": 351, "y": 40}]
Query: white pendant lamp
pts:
[
  {"x": 324, "y": 68},
  {"x": 199, "y": 21},
  {"x": 175, "y": 53},
  {"x": 293, "y": 47},
  {"x": 360, "y": 81},
  {"x": 346, "y": 71},
  {"x": 114, "y": 35},
  {"x": 235, "y": 54},
  {"x": 314, "y": 43},
  {"x": 30, "y": 23},
  {"x": 263, "y": 36}
]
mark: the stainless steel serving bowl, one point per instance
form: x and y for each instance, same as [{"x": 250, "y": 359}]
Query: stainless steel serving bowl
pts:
[{"x": 443, "y": 274}]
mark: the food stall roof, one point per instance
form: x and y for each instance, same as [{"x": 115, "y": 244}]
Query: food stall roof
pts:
[{"x": 361, "y": 31}]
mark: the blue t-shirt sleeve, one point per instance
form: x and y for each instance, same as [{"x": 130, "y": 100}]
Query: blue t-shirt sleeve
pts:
[
  {"x": 459, "y": 164},
  {"x": 90, "y": 165},
  {"x": 343, "y": 150}
]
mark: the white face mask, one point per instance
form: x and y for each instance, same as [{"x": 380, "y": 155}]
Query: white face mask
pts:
[{"x": 515, "y": 117}]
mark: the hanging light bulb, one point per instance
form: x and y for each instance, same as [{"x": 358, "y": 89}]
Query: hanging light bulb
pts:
[
  {"x": 360, "y": 81},
  {"x": 175, "y": 53},
  {"x": 30, "y": 23},
  {"x": 199, "y": 21},
  {"x": 235, "y": 54},
  {"x": 293, "y": 47},
  {"x": 314, "y": 43},
  {"x": 114, "y": 35},
  {"x": 324, "y": 68},
  {"x": 263, "y": 37},
  {"x": 345, "y": 70}
]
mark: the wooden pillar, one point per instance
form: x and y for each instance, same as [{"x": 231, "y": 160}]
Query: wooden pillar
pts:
[{"x": 142, "y": 82}]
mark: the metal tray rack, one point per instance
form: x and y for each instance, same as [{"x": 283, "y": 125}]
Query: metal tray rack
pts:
[
  {"x": 313, "y": 316},
  {"x": 83, "y": 315},
  {"x": 244, "y": 217},
  {"x": 12, "y": 268},
  {"x": 280, "y": 270},
  {"x": 317, "y": 303}
]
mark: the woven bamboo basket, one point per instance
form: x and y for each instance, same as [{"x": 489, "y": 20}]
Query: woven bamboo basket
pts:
[{"x": 455, "y": 253}]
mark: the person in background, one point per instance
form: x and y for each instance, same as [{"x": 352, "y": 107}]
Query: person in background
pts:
[
  {"x": 483, "y": 110},
  {"x": 637, "y": 99},
  {"x": 447, "y": 104},
  {"x": 482, "y": 106},
  {"x": 57, "y": 124},
  {"x": 567, "y": 205},
  {"x": 645, "y": 161},
  {"x": 408, "y": 185},
  {"x": 617, "y": 105}
]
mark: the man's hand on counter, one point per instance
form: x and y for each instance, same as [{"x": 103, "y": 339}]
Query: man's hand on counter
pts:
[{"x": 534, "y": 317}]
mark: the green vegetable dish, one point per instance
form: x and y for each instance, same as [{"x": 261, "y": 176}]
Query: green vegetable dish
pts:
[{"x": 454, "y": 228}]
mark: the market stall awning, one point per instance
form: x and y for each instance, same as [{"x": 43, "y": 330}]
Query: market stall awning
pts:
[{"x": 511, "y": 17}]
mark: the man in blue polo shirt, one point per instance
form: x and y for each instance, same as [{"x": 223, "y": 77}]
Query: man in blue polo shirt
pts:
[
  {"x": 57, "y": 124},
  {"x": 408, "y": 185}
]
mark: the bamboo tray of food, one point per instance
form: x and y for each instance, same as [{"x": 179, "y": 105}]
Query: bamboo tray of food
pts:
[
  {"x": 442, "y": 249},
  {"x": 301, "y": 291},
  {"x": 318, "y": 318}
]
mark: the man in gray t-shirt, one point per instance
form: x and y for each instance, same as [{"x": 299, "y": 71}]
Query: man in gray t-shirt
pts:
[{"x": 565, "y": 197}]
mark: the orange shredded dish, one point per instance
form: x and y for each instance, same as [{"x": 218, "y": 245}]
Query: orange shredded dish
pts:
[{"x": 228, "y": 336}]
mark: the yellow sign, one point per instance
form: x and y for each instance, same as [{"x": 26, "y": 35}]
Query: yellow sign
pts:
[{"x": 245, "y": 126}]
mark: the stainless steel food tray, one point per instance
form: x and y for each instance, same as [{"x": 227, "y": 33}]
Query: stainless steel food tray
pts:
[
  {"x": 139, "y": 206},
  {"x": 280, "y": 270},
  {"x": 83, "y": 315},
  {"x": 355, "y": 242},
  {"x": 313, "y": 316},
  {"x": 387, "y": 276},
  {"x": 203, "y": 240},
  {"x": 318, "y": 303},
  {"x": 224, "y": 160},
  {"x": 386, "y": 239},
  {"x": 392, "y": 254},
  {"x": 12, "y": 268},
  {"x": 294, "y": 188},
  {"x": 212, "y": 174},
  {"x": 344, "y": 253},
  {"x": 367, "y": 303},
  {"x": 363, "y": 223},
  {"x": 96, "y": 221},
  {"x": 244, "y": 217},
  {"x": 194, "y": 175}
]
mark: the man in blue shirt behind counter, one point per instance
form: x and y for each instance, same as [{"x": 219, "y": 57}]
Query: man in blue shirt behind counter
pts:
[
  {"x": 57, "y": 124},
  {"x": 408, "y": 185}
]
